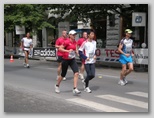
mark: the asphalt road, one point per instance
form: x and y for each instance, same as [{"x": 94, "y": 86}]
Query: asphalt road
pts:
[{"x": 32, "y": 90}]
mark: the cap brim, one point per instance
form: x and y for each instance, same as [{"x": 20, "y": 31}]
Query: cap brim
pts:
[
  {"x": 74, "y": 33},
  {"x": 129, "y": 32}
]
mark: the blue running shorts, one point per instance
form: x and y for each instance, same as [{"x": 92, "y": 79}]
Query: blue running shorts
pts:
[{"x": 124, "y": 59}]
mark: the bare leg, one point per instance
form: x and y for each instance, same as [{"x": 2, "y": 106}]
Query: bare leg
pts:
[
  {"x": 81, "y": 74},
  {"x": 76, "y": 75},
  {"x": 26, "y": 57},
  {"x": 130, "y": 69},
  {"x": 82, "y": 69},
  {"x": 122, "y": 74},
  {"x": 59, "y": 80},
  {"x": 59, "y": 69}
]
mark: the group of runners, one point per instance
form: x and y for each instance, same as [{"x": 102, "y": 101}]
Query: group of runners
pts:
[{"x": 68, "y": 48}]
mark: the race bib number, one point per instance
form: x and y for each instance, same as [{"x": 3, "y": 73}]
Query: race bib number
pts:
[{"x": 71, "y": 55}]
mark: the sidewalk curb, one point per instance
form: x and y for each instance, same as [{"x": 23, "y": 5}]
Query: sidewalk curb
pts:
[
  {"x": 98, "y": 64},
  {"x": 18, "y": 56}
]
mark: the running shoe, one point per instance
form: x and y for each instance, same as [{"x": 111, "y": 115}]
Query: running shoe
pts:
[
  {"x": 76, "y": 91},
  {"x": 122, "y": 83},
  {"x": 28, "y": 66},
  {"x": 87, "y": 89},
  {"x": 57, "y": 90},
  {"x": 64, "y": 78},
  {"x": 125, "y": 80}
]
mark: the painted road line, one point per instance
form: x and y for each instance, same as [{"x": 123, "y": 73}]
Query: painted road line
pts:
[
  {"x": 141, "y": 94},
  {"x": 124, "y": 100},
  {"x": 95, "y": 105}
]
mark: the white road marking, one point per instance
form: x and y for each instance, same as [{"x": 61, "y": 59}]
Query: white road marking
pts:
[
  {"x": 95, "y": 105},
  {"x": 141, "y": 94},
  {"x": 124, "y": 100}
]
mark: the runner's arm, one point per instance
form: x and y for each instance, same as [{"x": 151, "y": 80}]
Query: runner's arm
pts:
[{"x": 82, "y": 55}]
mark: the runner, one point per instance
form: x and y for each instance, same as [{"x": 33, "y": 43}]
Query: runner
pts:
[
  {"x": 90, "y": 58},
  {"x": 82, "y": 68},
  {"x": 26, "y": 45},
  {"x": 69, "y": 49},
  {"x": 125, "y": 49},
  {"x": 59, "y": 43}
]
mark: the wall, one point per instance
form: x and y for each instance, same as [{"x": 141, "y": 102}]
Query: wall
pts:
[{"x": 113, "y": 32}]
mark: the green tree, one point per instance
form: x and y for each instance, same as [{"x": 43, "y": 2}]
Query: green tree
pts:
[
  {"x": 96, "y": 11},
  {"x": 32, "y": 16}
]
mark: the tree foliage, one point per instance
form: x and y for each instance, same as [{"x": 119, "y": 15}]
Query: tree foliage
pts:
[
  {"x": 97, "y": 11},
  {"x": 32, "y": 16}
]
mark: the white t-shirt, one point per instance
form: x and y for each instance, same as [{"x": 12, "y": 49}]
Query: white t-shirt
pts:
[
  {"x": 127, "y": 45},
  {"x": 26, "y": 43},
  {"x": 89, "y": 50}
]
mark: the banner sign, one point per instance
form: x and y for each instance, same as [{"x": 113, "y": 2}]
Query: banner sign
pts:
[
  {"x": 20, "y": 29},
  {"x": 107, "y": 55},
  {"x": 141, "y": 56},
  {"x": 111, "y": 55},
  {"x": 103, "y": 55},
  {"x": 44, "y": 52}
]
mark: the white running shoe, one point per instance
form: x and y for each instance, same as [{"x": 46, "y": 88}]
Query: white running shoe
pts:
[
  {"x": 28, "y": 66},
  {"x": 125, "y": 80},
  {"x": 64, "y": 78},
  {"x": 81, "y": 76},
  {"x": 87, "y": 90},
  {"x": 57, "y": 90},
  {"x": 122, "y": 83},
  {"x": 76, "y": 91}
]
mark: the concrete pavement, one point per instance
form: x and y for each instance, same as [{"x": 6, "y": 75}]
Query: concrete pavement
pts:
[{"x": 32, "y": 90}]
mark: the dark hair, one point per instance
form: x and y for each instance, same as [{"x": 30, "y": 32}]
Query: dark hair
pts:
[{"x": 90, "y": 32}]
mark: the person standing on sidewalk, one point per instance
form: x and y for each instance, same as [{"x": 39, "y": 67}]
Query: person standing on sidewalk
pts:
[
  {"x": 90, "y": 58},
  {"x": 125, "y": 49},
  {"x": 79, "y": 42},
  {"x": 26, "y": 45},
  {"x": 58, "y": 44},
  {"x": 69, "y": 49}
]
